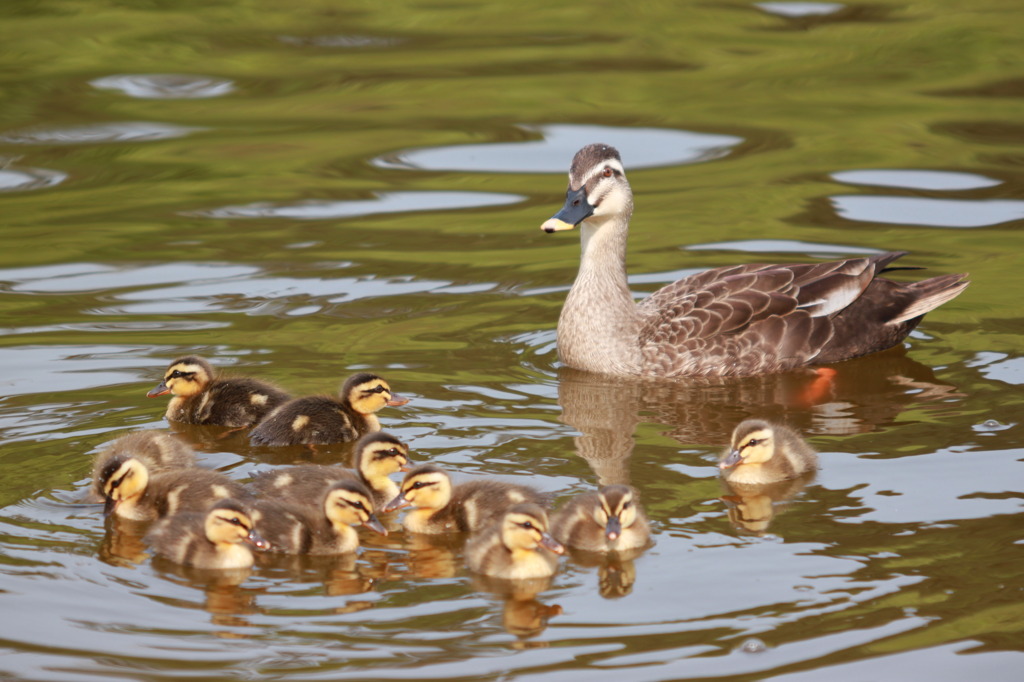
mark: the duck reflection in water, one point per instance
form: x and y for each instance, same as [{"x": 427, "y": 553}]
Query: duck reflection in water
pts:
[
  {"x": 765, "y": 464},
  {"x": 857, "y": 396}
]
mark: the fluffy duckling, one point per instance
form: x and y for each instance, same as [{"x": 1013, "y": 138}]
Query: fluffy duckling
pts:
[
  {"x": 763, "y": 453},
  {"x": 131, "y": 491},
  {"x": 374, "y": 457},
  {"x": 212, "y": 539},
  {"x": 513, "y": 547},
  {"x": 159, "y": 451},
  {"x": 608, "y": 520},
  {"x": 442, "y": 508},
  {"x": 297, "y": 529},
  {"x": 202, "y": 397},
  {"x": 320, "y": 420}
]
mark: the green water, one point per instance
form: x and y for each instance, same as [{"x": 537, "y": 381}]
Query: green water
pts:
[{"x": 281, "y": 207}]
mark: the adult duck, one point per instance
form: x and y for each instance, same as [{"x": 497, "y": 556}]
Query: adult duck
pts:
[{"x": 740, "y": 320}]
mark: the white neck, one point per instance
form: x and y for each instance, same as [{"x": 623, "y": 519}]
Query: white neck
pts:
[{"x": 598, "y": 327}]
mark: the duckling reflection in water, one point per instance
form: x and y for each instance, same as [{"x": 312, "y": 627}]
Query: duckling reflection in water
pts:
[
  {"x": 216, "y": 539},
  {"x": 203, "y": 397},
  {"x": 762, "y": 452},
  {"x": 753, "y": 507},
  {"x": 321, "y": 420},
  {"x": 467, "y": 507}
]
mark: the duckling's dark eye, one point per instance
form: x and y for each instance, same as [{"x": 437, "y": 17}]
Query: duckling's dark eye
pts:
[
  {"x": 752, "y": 442},
  {"x": 236, "y": 521},
  {"x": 527, "y": 525},
  {"x": 419, "y": 484},
  {"x": 376, "y": 389}
]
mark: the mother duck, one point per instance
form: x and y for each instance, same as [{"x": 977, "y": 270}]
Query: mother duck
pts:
[{"x": 741, "y": 320}]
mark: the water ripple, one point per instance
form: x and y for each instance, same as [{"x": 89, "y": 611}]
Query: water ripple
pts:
[
  {"x": 385, "y": 202},
  {"x": 13, "y": 179},
  {"x": 916, "y": 179},
  {"x": 640, "y": 148},
  {"x": 165, "y": 85},
  {"x": 127, "y": 131},
  {"x": 800, "y": 9},
  {"x": 929, "y": 212}
]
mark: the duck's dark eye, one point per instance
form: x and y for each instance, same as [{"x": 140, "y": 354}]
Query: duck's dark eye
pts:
[
  {"x": 377, "y": 389},
  {"x": 752, "y": 442}
]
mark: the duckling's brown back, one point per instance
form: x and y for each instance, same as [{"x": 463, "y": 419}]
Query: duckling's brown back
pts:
[
  {"x": 187, "y": 490},
  {"x": 233, "y": 401},
  {"x": 475, "y": 504},
  {"x": 313, "y": 420}
]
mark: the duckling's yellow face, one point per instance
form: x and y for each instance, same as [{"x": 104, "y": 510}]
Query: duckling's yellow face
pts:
[
  {"x": 229, "y": 526},
  {"x": 424, "y": 490},
  {"x": 183, "y": 379},
  {"x": 617, "y": 510},
  {"x": 123, "y": 479},
  {"x": 749, "y": 446},
  {"x": 380, "y": 459},
  {"x": 525, "y": 528},
  {"x": 348, "y": 507},
  {"x": 369, "y": 396}
]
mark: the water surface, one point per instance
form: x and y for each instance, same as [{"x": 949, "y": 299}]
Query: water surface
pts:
[{"x": 301, "y": 191}]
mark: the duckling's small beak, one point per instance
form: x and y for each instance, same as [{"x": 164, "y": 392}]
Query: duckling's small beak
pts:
[
  {"x": 397, "y": 400},
  {"x": 109, "y": 506},
  {"x": 405, "y": 467},
  {"x": 374, "y": 524},
  {"x": 731, "y": 460},
  {"x": 398, "y": 503},
  {"x": 550, "y": 543},
  {"x": 613, "y": 529},
  {"x": 160, "y": 389},
  {"x": 576, "y": 210},
  {"x": 257, "y": 541}
]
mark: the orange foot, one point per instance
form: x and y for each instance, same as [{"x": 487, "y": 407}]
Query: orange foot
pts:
[{"x": 820, "y": 388}]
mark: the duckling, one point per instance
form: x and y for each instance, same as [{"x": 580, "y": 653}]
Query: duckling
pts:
[
  {"x": 470, "y": 506},
  {"x": 319, "y": 420},
  {"x": 297, "y": 529},
  {"x": 375, "y": 456},
  {"x": 212, "y": 539},
  {"x": 132, "y": 492},
  {"x": 159, "y": 451},
  {"x": 762, "y": 453},
  {"x": 608, "y": 520},
  {"x": 738, "y": 320},
  {"x": 202, "y": 397},
  {"x": 511, "y": 547}
]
